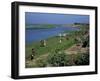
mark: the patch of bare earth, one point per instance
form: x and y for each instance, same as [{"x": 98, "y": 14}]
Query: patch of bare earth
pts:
[
  {"x": 75, "y": 49},
  {"x": 33, "y": 62}
]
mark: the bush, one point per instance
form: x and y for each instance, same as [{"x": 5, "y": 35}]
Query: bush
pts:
[
  {"x": 70, "y": 60},
  {"x": 82, "y": 59},
  {"x": 57, "y": 59},
  {"x": 86, "y": 42},
  {"x": 62, "y": 59}
]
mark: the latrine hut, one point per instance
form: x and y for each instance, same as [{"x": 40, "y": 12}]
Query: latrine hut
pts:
[{"x": 43, "y": 43}]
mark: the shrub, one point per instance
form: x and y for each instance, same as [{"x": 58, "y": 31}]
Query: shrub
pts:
[
  {"x": 82, "y": 59},
  {"x": 69, "y": 60},
  {"x": 86, "y": 42},
  {"x": 57, "y": 59}
]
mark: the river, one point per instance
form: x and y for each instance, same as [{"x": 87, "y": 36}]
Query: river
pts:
[{"x": 33, "y": 35}]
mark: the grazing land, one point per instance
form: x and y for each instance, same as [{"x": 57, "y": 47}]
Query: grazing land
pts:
[{"x": 70, "y": 49}]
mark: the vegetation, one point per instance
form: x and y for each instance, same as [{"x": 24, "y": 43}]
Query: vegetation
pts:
[
  {"x": 57, "y": 59},
  {"x": 53, "y": 53},
  {"x": 62, "y": 59},
  {"x": 40, "y": 26},
  {"x": 82, "y": 59},
  {"x": 45, "y": 26},
  {"x": 52, "y": 43}
]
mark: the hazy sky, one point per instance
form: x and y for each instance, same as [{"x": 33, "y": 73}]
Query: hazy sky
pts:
[{"x": 50, "y": 18}]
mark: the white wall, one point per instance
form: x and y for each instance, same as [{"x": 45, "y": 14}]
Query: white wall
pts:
[{"x": 5, "y": 40}]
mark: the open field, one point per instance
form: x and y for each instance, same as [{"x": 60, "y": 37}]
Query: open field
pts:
[{"x": 72, "y": 50}]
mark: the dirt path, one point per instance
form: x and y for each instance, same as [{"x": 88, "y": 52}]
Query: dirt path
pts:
[
  {"x": 75, "y": 49},
  {"x": 33, "y": 62}
]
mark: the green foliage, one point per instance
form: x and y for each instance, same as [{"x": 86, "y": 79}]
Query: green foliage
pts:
[
  {"x": 39, "y": 26},
  {"x": 57, "y": 59},
  {"x": 69, "y": 60},
  {"x": 82, "y": 59},
  {"x": 85, "y": 42},
  {"x": 62, "y": 59},
  {"x": 52, "y": 43}
]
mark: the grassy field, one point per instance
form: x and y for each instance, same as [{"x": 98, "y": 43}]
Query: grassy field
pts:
[
  {"x": 42, "y": 53},
  {"x": 52, "y": 44}
]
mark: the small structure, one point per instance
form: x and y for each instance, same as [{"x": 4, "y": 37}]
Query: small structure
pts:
[
  {"x": 60, "y": 41},
  {"x": 60, "y": 36},
  {"x": 64, "y": 34},
  {"x": 43, "y": 43}
]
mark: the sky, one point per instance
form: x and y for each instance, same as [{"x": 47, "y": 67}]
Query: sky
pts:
[{"x": 52, "y": 18}]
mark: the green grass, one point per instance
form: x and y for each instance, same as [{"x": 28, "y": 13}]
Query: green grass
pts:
[
  {"x": 40, "y": 26},
  {"x": 52, "y": 44}
]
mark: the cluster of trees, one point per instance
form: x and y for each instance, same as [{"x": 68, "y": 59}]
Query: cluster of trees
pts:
[
  {"x": 81, "y": 24},
  {"x": 62, "y": 59}
]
